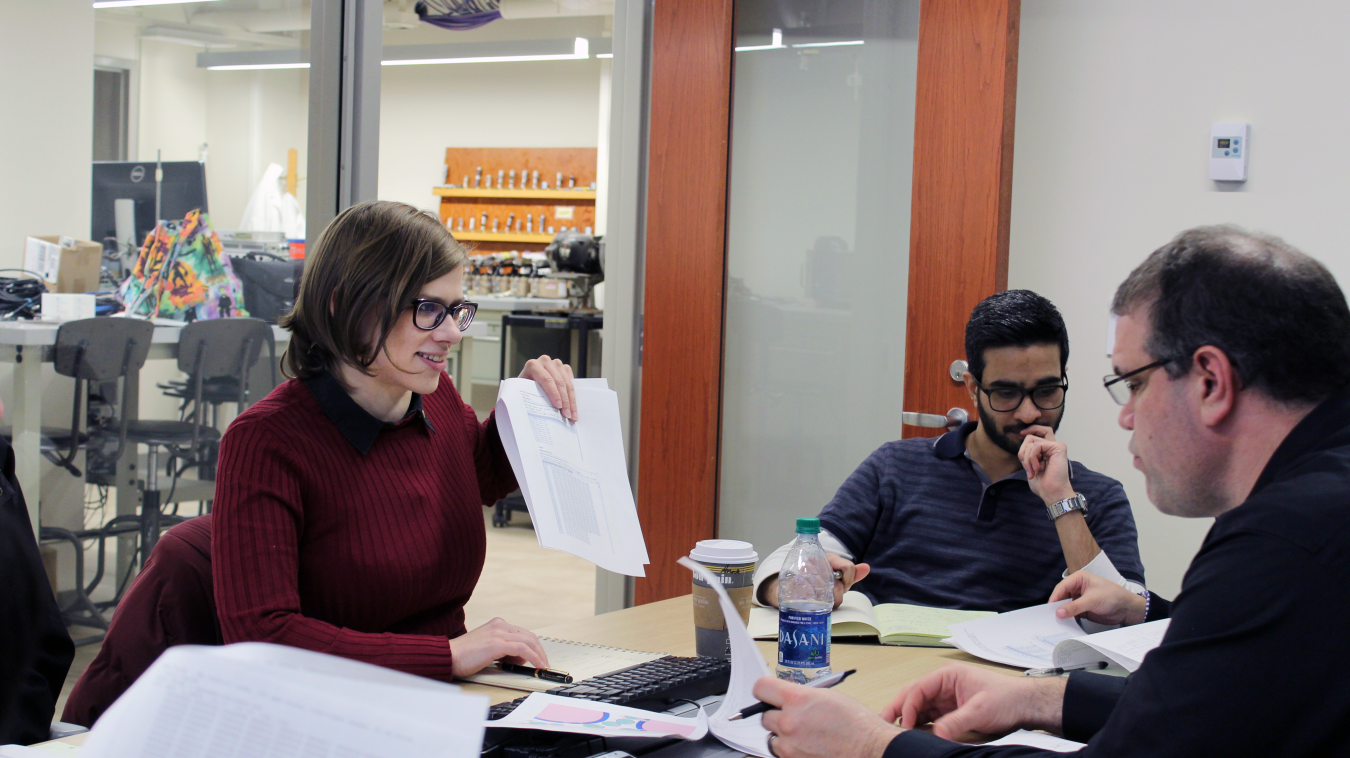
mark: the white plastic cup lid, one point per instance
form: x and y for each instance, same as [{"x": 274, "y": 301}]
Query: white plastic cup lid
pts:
[{"x": 724, "y": 552}]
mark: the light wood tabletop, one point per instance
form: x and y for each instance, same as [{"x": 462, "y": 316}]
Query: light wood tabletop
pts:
[{"x": 668, "y": 627}]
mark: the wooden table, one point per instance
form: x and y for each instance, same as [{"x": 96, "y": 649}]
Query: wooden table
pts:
[{"x": 668, "y": 627}]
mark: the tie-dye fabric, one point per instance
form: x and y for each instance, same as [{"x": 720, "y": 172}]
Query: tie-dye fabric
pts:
[{"x": 182, "y": 267}]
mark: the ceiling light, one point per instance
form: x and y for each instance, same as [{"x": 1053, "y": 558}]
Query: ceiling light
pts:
[
  {"x": 256, "y": 66},
  {"x": 604, "y": 55},
  {"x": 130, "y": 3},
  {"x": 777, "y": 43},
  {"x": 830, "y": 44},
  {"x": 580, "y": 51}
]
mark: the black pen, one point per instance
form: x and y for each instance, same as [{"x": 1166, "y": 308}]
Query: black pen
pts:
[
  {"x": 552, "y": 675},
  {"x": 1058, "y": 671},
  {"x": 826, "y": 681}
]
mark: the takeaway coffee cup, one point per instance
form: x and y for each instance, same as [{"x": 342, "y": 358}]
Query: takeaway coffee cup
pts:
[{"x": 733, "y": 563}]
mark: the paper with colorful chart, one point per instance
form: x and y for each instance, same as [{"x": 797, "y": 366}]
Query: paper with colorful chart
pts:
[
  {"x": 552, "y": 713},
  {"x": 747, "y": 665}
]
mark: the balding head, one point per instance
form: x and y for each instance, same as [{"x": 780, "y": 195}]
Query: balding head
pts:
[{"x": 1276, "y": 313}]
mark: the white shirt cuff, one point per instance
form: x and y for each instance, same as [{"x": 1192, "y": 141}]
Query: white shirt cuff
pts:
[
  {"x": 1102, "y": 566},
  {"x": 771, "y": 565}
]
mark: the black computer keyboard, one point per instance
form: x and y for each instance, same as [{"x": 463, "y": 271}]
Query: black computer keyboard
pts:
[{"x": 653, "y": 686}]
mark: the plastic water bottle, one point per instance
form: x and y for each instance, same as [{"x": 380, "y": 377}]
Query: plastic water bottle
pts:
[{"x": 805, "y": 599}]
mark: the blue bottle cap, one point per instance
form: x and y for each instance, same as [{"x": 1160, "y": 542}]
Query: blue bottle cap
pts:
[{"x": 808, "y": 525}]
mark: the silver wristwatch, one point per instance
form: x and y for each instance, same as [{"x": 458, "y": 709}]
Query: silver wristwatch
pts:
[{"x": 1075, "y": 503}]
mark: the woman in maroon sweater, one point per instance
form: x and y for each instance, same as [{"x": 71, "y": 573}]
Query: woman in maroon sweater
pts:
[{"x": 348, "y": 510}]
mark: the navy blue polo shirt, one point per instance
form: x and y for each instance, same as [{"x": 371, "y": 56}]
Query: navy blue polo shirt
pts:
[{"x": 938, "y": 533}]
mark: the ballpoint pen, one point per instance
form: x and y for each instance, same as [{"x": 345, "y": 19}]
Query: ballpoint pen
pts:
[
  {"x": 826, "y": 681},
  {"x": 552, "y": 675},
  {"x": 1066, "y": 669}
]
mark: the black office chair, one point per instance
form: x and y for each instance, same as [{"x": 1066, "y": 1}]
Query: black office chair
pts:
[
  {"x": 218, "y": 356},
  {"x": 232, "y": 349},
  {"x": 97, "y": 350}
]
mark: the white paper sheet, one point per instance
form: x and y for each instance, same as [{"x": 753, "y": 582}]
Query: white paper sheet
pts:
[
  {"x": 574, "y": 476},
  {"x": 1037, "y": 739},
  {"x": 1025, "y": 638},
  {"x": 1125, "y": 647},
  {"x": 283, "y": 702},
  {"x": 553, "y": 713},
  {"x": 747, "y": 665}
]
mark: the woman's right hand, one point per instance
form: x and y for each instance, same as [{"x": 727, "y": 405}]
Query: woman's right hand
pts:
[
  {"x": 1098, "y": 600},
  {"x": 476, "y": 650}
]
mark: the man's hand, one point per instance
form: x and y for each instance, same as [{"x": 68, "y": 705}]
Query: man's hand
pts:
[
  {"x": 555, "y": 377},
  {"x": 852, "y": 574},
  {"x": 818, "y": 723},
  {"x": 967, "y": 704},
  {"x": 474, "y": 651},
  {"x": 1097, "y": 599},
  {"x": 1046, "y": 462}
]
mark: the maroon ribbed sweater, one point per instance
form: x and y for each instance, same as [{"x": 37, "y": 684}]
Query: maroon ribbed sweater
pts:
[{"x": 369, "y": 557}]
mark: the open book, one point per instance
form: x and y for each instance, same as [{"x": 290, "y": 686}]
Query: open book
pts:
[
  {"x": 579, "y": 659},
  {"x": 891, "y": 623},
  {"x": 1035, "y": 638}
]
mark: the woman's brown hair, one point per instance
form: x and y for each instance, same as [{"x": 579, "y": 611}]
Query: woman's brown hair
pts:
[{"x": 369, "y": 264}]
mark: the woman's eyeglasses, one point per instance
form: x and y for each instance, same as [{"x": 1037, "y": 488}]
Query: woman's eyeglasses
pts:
[{"x": 429, "y": 314}]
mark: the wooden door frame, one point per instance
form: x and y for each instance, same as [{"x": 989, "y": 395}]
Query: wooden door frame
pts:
[{"x": 958, "y": 240}]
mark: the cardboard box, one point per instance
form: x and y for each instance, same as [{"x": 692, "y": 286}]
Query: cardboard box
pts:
[{"x": 67, "y": 265}]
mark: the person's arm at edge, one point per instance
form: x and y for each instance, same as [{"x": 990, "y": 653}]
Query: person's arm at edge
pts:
[{"x": 1087, "y": 703}]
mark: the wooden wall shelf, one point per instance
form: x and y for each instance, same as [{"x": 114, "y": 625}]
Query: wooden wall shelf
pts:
[
  {"x": 528, "y": 194},
  {"x": 577, "y": 206},
  {"x": 477, "y": 236}
]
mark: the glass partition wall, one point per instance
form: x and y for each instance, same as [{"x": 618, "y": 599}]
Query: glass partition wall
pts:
[{"x": 822, "y": 144}]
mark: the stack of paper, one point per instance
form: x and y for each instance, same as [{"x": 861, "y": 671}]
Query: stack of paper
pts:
[
  {"x": 1036, "y": 638},
  {"x": 254, "y": 699},
  {"x": 573, "y": 475}
]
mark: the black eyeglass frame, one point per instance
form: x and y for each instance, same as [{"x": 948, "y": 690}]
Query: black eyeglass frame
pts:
[
  {"x": 1023, "y": 393},
  {"x": 459, "y": 308},
  {"x": 1111, "y": 379}
]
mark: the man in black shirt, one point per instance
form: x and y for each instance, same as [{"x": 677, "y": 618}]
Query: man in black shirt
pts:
[
  {"x": 35, "y": 649},
  {"x": 1232, "y": 363}
]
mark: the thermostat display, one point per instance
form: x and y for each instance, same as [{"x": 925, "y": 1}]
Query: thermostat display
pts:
[{"x": 1228, "y": 151}]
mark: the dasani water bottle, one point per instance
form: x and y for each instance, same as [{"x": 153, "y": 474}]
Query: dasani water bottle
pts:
[{"x": 805, "y": 599}]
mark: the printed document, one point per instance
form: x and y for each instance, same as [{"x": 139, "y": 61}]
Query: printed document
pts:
[
  {"x": 747, "y": 665},
  {"x": 554, "y": 713},
  {"x": 254, "y": 700},
  {"x": 573, "y": 475},
  {"x": 1035, "y": 638}
]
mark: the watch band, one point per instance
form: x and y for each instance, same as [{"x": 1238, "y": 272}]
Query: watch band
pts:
[{"x": 1075, "y": 503}]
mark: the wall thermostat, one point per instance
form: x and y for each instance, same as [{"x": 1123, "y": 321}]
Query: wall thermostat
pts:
[{"x": 1228, "y": 150}]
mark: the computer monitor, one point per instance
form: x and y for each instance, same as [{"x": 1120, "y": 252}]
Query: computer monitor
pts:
[{"x": 183, "y": 189}]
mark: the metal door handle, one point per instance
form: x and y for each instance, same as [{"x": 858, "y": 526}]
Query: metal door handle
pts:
[{"x": 954, "y": 418}]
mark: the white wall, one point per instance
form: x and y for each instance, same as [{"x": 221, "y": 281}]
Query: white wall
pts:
[
  {"x": 46, "y": 134},
  {"x": 425, "y": 109},
  {"x": 1114, "y": 104}
]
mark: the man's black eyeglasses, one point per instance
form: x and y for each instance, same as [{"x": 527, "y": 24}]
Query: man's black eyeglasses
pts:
[
  {"x": 1046, "y": 397},
  {"x": 428, "y": 314},
  {"x": 1120, "y": 389}
]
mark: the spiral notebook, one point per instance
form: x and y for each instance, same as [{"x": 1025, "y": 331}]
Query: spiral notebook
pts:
[{"x": 580, "y": 659}]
